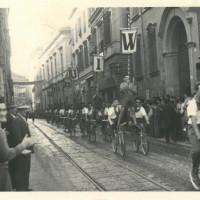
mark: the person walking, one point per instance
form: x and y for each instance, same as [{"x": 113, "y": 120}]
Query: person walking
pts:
[
  {"x": 22, "y": 162},
  {"x": 7, "y": 153}
]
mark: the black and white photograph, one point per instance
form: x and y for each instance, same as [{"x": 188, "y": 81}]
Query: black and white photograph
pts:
[{"x": 99, "y": 98}]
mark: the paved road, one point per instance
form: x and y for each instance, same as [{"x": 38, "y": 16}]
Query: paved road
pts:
[{"x": 166, "y": 166}]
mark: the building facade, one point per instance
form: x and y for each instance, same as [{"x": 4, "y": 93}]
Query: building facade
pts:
[
  {"x": 81, "y": 59},
  {"x": 22, "y": 93},
  {"x": 167, "y": 57},
  {"x": 37, "y": 88},
  {"x": 55, "y": 61},
  {"x": 96, "y": 31},
  {"x": 6, "y": 82}
]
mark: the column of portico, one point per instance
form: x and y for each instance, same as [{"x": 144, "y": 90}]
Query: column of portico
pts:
[
  {"x": 193, "y": 77},
  {"x": 171, "y": 72}
]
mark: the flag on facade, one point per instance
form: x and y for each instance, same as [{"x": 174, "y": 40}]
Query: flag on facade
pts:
[
  {"x": 73, "y": 72},
  {"x": 128, "y": 40},
  {"x": 98, "y": 63}
]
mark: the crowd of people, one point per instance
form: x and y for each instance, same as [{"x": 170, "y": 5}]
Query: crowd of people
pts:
[{"x": 165, "y": 116}]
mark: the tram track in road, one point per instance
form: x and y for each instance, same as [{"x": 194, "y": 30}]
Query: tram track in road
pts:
[
  {"x": 67, "y": 156},
  {"x": 165, "y": 188}
]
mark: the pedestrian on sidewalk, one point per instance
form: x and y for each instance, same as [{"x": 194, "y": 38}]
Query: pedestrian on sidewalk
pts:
[
  {"x": 7, "y": 153},
  {"x": 168, "y": 117},
  {"x": 193, "y": 113},
  {"x": 33, "y": 116},
  {"x": 22, "y": 162}
]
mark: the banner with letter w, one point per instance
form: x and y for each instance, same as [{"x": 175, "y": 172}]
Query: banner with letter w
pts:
[
  {"x": 98, "y": 63},
  {"x": 128, "y": 40},
  {"x": 73, "y": 72}
]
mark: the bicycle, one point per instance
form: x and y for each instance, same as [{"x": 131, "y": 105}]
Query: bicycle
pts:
[
  {"x": 119, "y": 139},
  {"x": 92, "y": 130},
  {"x": 107, "y": 130},
  {"x": 191, "y": 165},
  {"x": 140, "y": 139},
  {"x": 72, "y": 126}
]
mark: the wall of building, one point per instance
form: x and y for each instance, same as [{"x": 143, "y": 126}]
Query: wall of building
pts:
[
  {"x": 6, "y": 83},
  {"x": 165, "y": 80},
  {"x": 56, "y": 91}
]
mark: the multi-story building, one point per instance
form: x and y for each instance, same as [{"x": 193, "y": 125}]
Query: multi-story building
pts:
[
  {"x": 81, "y": 58},
  {"x": 167, "y": 57},
  {"x": 37, "y": 89},
  {"x": 55, "y": 61},
  {"x": 96, "y": 31},
  {"x": 6, "y": 83},
  {"x": 22, "y": 93}
]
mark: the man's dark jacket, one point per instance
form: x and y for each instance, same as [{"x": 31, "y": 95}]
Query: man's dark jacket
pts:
[{"x": 21, "y": 162}]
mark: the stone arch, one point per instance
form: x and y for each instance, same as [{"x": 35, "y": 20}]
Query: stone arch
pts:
[{"x": 174, "y": 31}]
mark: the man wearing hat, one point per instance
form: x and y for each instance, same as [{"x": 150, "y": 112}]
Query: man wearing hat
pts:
[
  {"x": 11, "y": 113},
  {"x": 21, "y": 162}
]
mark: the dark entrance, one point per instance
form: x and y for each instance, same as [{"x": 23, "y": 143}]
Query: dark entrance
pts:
[{"x": 180, "y": 60}]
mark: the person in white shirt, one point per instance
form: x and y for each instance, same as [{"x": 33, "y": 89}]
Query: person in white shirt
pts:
[
  {"x": 193, "y": 114},
  {"x": 113, "y": 115},
  {"x": 140, "y": 113}
]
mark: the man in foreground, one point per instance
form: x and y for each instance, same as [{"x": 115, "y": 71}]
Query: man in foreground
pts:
[{"x": 193, "y": 114}]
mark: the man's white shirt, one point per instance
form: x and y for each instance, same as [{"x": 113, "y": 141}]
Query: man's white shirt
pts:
[
  {"x": 192, "y": 110},
  {"x": 141, "y": 113},
  {"x": 111, "y": 114}
]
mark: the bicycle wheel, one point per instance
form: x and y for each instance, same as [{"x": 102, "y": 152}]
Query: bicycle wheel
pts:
[
  {"x": 136, "y": 142},
  {"x": 109, "y": 133},
  {"x": 122, "y": 144},
  {"x": 93, "y": 134},
  {"x": 73, "y": 130},
  {"x": 115, "y": 142},
  {"x": 144, "y": 143}
]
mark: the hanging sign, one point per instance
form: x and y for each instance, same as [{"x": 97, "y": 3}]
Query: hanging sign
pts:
[
  {"x": 128, "y": 40},
  {"x": 73, "y": 72},
  {"x": 98, "y": 63}
]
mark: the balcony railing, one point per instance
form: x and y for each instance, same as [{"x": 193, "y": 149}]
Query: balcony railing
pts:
[{"x": 55, "y": 79}]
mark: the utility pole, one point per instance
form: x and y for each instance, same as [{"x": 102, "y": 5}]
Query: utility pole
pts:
[{"x": 128, "y": 26}]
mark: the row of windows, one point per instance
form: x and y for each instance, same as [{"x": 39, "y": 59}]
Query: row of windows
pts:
[
  {"x": 152, "y": 51},
  {"x": 84, "y": 55},
  {"x": 51, "y": 69},
  {"x": 80, "y": 26}
]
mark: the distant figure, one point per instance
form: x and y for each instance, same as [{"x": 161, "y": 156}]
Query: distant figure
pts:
[
  {"x": 27, "y": 115},
  {"x": 33, "y": 116}
]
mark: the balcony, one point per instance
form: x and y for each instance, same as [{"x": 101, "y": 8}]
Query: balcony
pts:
[{"x": 55, "y": 79}]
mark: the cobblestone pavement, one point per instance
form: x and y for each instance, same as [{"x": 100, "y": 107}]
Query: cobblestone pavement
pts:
[{"x": 166, "y": 165}]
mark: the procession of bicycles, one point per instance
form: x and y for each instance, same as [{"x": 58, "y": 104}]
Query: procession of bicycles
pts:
[{"x": 107, "y": 119}]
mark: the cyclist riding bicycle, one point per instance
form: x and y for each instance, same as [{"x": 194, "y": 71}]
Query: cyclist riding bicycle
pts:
[
  {"x": 90, "y": 114},
  {"x": 71, "y": 115},
  {"x": 193, "y": 114},
  {"x": 103, "y": 115},
  {"x": 128, "y": 95},
  {"x": 113, "y": 115},
  {"x": 140, "y": 114}
]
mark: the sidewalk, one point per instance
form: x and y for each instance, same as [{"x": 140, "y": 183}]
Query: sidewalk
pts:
[{"x": 178, "y": 143}]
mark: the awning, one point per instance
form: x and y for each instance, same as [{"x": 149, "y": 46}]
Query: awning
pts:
[{"x": 106, "y": 83}]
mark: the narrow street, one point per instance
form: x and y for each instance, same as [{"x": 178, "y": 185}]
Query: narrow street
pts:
[{"x": 164, "y": 169}]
